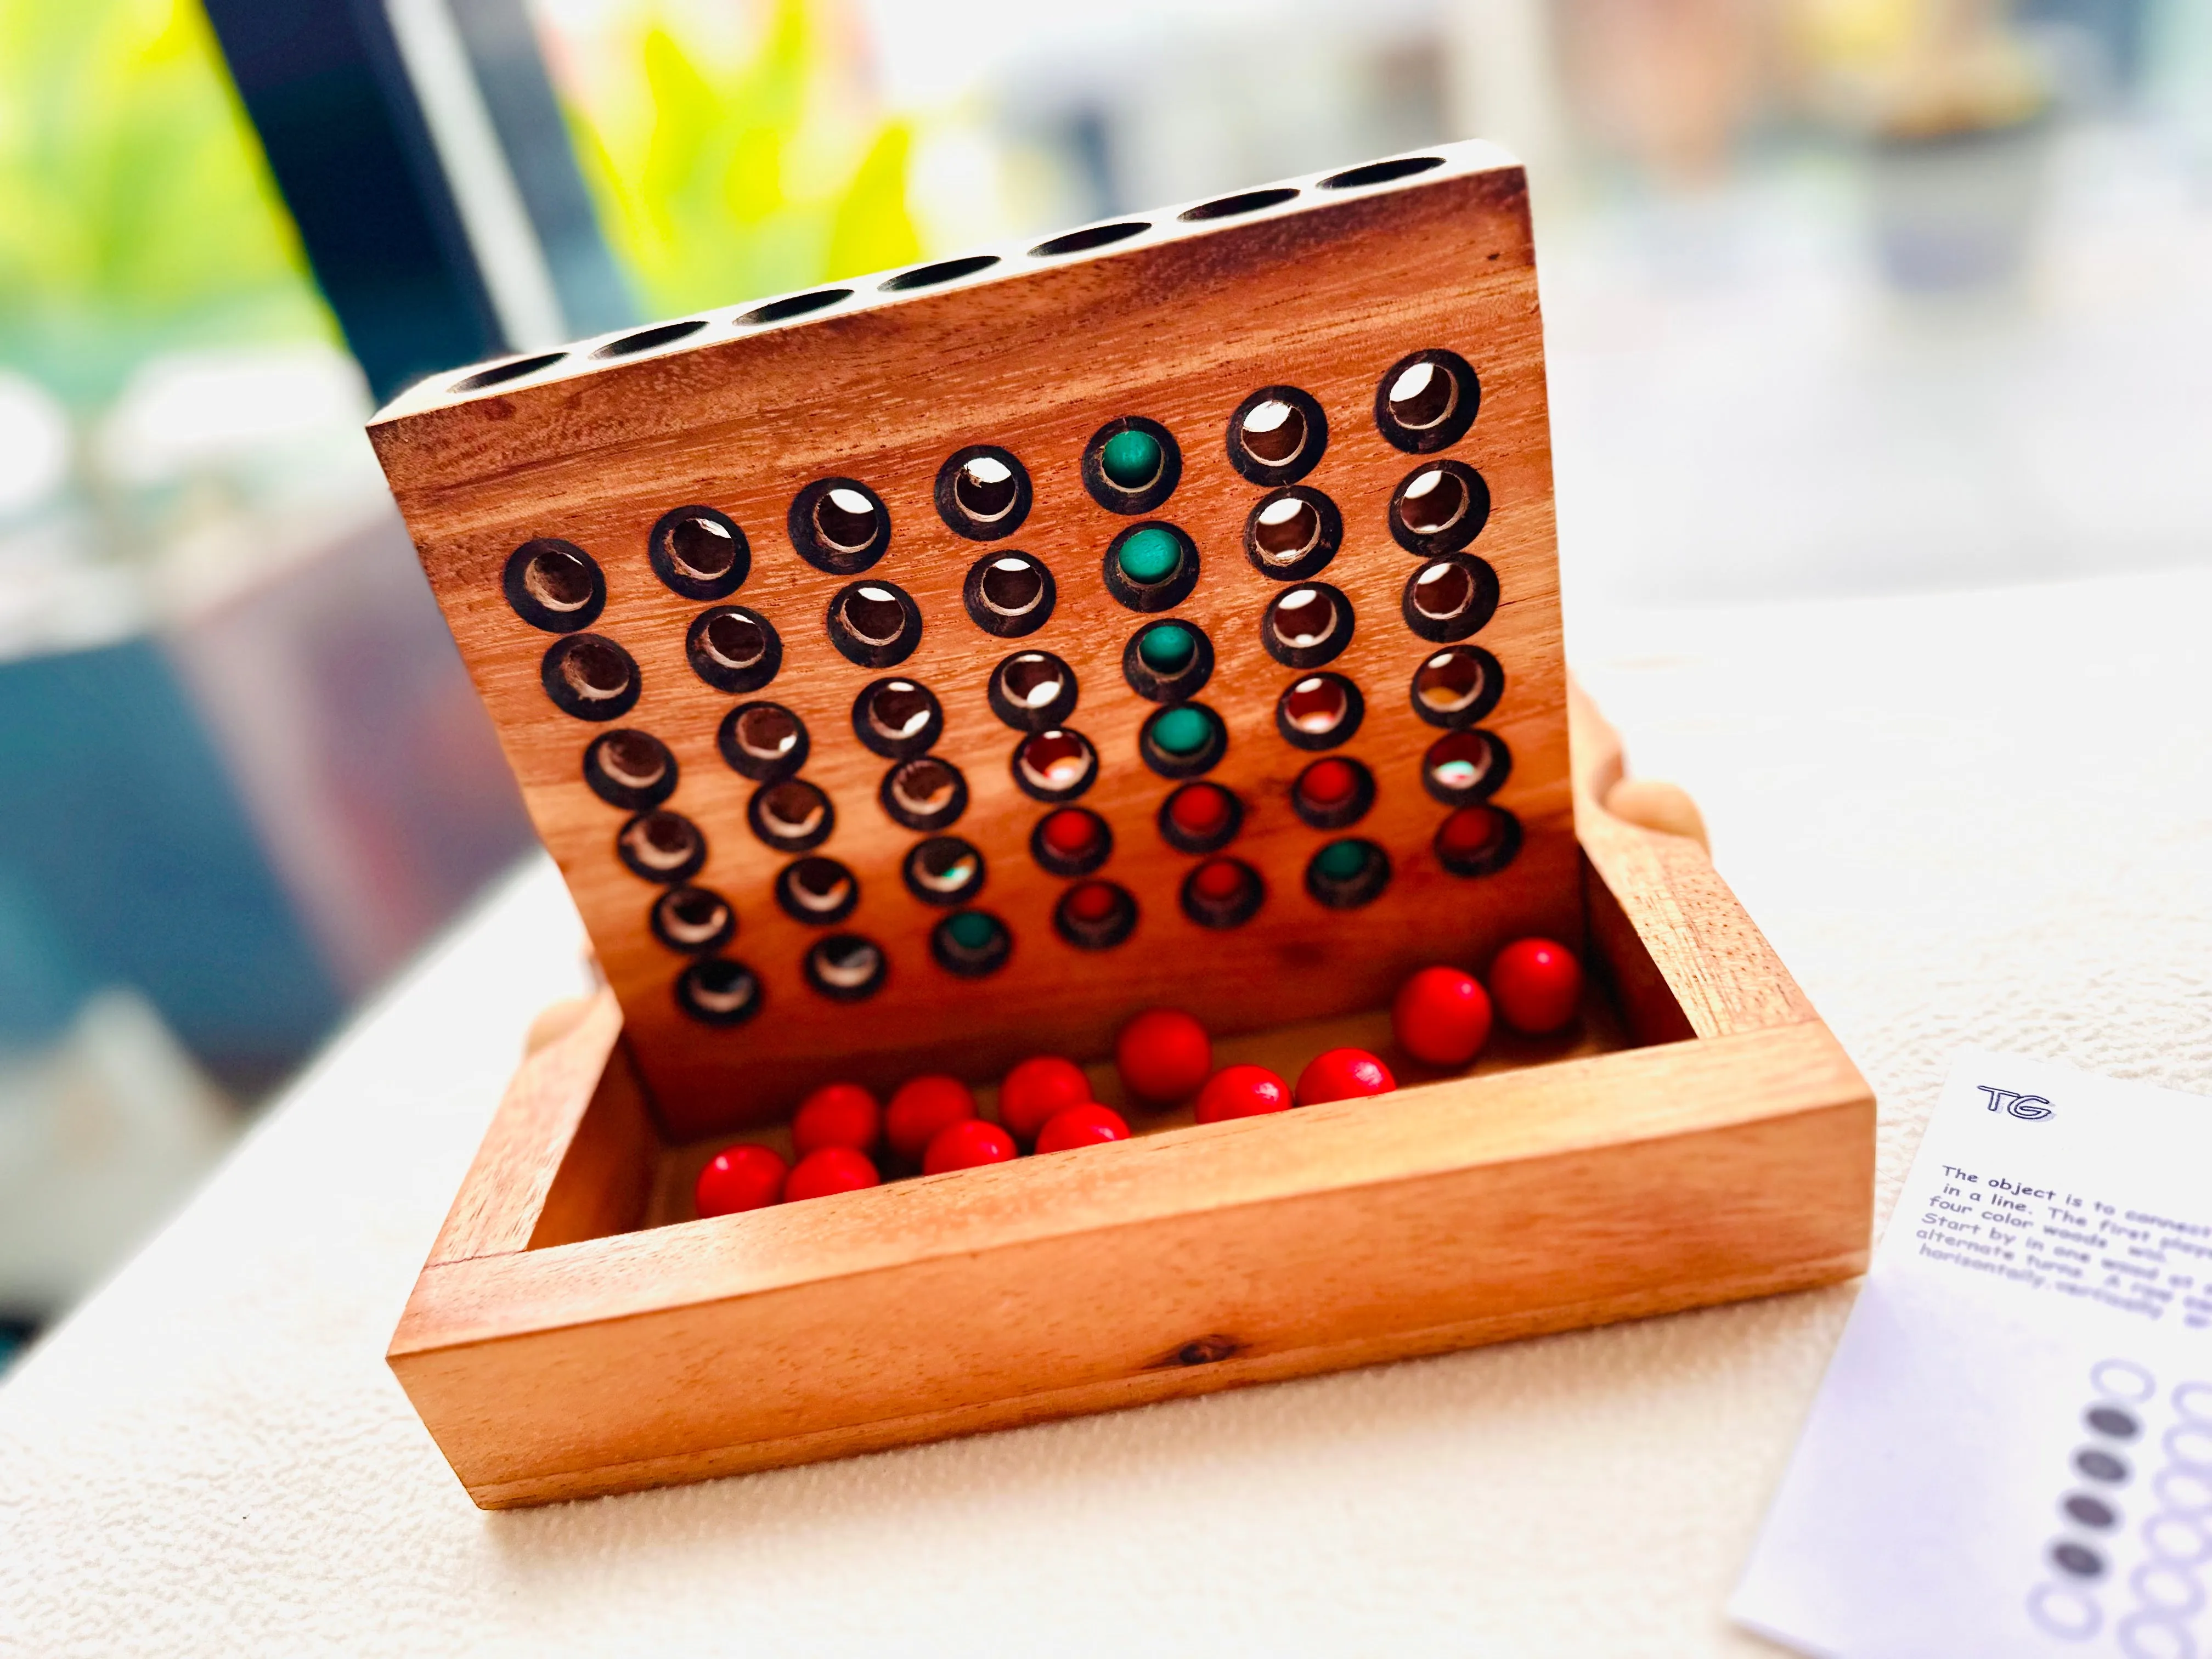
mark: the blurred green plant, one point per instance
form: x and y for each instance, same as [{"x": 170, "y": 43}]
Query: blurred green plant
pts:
[
  {"x": 137, "y": 213},
  {"x": 714, "y": 188}
]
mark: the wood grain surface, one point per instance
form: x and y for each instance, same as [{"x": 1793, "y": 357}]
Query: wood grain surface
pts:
[
  {"x": 1178, "y": 326},
  {"x": 1457, "y": 1212}
]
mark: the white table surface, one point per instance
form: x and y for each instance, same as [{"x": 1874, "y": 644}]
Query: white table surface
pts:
[{"x": 1985, "y": 816}]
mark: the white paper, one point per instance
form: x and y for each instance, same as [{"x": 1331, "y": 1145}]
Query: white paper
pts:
[{"x": 2011, "y": 1453}]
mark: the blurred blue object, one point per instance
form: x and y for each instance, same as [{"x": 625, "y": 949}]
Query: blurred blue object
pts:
[
  {"x": 2110, "y": 35},
  {"x": 126, "y": 855}
]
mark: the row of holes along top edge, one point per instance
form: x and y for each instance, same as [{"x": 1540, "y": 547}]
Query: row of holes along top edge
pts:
[{"x": 814, "y": 303}]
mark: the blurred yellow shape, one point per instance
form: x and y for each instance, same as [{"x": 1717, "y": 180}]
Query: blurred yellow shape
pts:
[
  {"x": 1836, "y": 33},
  {"x": 136, "y": 211},
  {"x": 774, "y": 173}
]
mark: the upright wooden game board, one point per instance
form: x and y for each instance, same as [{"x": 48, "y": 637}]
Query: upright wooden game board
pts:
[{"x": 728, "y": 533}]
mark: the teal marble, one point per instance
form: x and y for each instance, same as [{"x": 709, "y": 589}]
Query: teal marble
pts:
[
  {"x": 1168, "y": 647},
  {"x": 1182, "y": 730},
  {"x": 1150, "y": 556},
  {"x": 1130, "y": 458}
]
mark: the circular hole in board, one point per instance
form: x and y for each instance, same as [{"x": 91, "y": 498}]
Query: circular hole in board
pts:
[
  {"x": 944, "y": 869},
  {"x": 1465, "y": 765},
  {"x": 875, "y": 624},
  {"x": 1033, "y": 691},
  {"x": 590, "y": 677},
  {"x": 1274, "y": 432},
  {"x": 1381, "y": 172},
  {"x": 1319, "y": 711},
  {"x": 844, "y": 520},
  {"x": 1292, "y": 534},
  {"x": 1231, "y": 207},
  {"x": 945, "y": 270},
  {"x": 1090, "y": 237},
  {"x": 662, "y": 846},
  {"x": 925, "y": 793},
  {"x": 1013, "y": 586},
  {"x": 1277, "y": 435},
  {"x": 791, "y": 815},
  {"x": 796, "y": 304},
  {"x": 845, "y": 967},
  {"x": 699, "y": 553},
  {"x": 500, "y": 374},
  {"x": 719, "y": 991},
  {"x": 762, "y": 741},
  {"x": 1307, "y": 626},
  {"x": 839, "y": 524},
  {"x": 2102, "y": 1466},
  {"x": 1457, "y": 687},
  {"x": 1009, "y": 594},
  {"x": 1449, "y": 597},
  {"x": 733, "y": 648},
  {"x": 897, "y": 718},
  {"x": 630, "y": 769},
  {"x": 1432, "y": 502},
  {"x": 817, "y": 891},
  {"x": 873, "y": 615},
  {"x": 985, "y": 490},
  {"x": 982, "y": 492},
  {"x": 646, "y": 339},
  {"x": 692, "y": 921},
  {"x": 1426, "y": 401},
  {"x": 1054, "y": 765},
  {"x": 554, "y": 585}
]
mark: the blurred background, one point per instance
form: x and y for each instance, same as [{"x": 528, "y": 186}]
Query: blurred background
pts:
[{"x": 1842, "y": 296}]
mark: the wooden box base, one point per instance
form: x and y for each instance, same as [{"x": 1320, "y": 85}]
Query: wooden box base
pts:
[{"x": 1702, "y": 1139}]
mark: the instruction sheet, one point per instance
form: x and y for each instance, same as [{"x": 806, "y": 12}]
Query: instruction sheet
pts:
[{"x": 2011, "y": 1453}]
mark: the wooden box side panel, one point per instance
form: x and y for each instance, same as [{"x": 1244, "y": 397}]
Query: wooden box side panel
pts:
[
  {"x": 1181, "y": 331},
  {"x": 602, "y": 1180},
  {"x": 533, "y": 1138},
  {"x": 1687, "y": 957},
  {"x": 644, "y": 1383}
]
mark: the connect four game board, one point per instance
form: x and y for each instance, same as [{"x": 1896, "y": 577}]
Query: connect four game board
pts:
[{"x": 936, "y": 667}]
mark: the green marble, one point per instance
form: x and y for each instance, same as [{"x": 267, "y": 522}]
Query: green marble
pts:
[
  {"x": 1131, "y": 459},
  {"x": 971, "y": 930},
  {"x": 1183, "y": 731},
  {"x": 1151, "y": 555},
  {"x": 1341, "y": 861},
  {"x": 1167, "y": 647}
]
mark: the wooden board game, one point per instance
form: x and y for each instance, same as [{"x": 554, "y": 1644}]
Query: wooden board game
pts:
[
  {"x": 927, "y": 670},
  {"x": 926, "y": 674}
]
